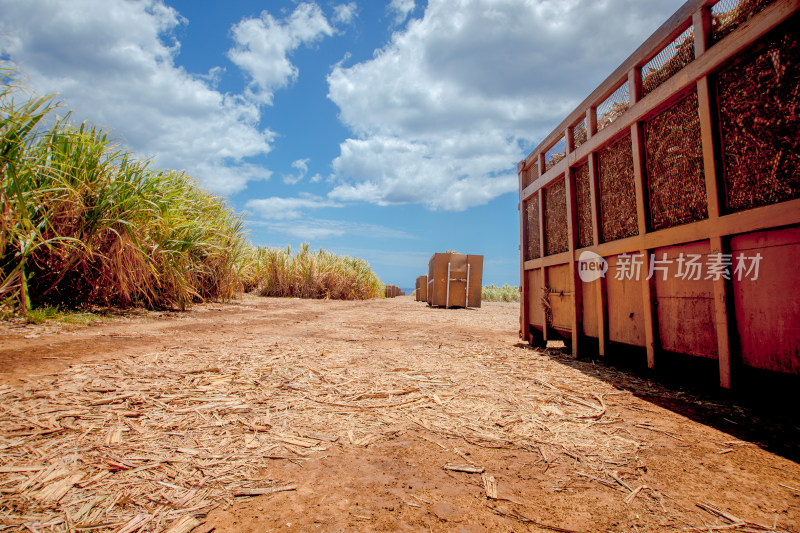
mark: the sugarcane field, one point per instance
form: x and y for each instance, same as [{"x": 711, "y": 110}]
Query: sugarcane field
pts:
[{"x": 506, "y": 266}]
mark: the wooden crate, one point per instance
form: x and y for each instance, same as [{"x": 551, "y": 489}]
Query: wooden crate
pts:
[
  {"x": 454, "y": 280},
  {"x": 661, "y": 166},
  {"x": 421, "y": 292}
]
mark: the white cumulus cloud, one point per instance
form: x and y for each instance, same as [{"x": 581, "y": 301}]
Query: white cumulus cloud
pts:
[
  {"x": 443, "y": 112},
  {"x": 401, "y": 9},
  {"x": 345, "y": 13},
  {"x": 437, "y": 172},
  {"x": 278, "y": 208},
  {"x": 301, "y": 166},
  {"x": 312, "y": 229},
  {"x": 263, "y": 46},
  {"x": 112, "y": 61}
]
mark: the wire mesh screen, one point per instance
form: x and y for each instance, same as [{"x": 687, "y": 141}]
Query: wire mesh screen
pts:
[
  {"x": 584, "y": 205},
  {"x": 555, "y": 154},
  {"x": 613, "y": 107},
  {"x": 759, "y": 96},
  {"x": 670, "y": 60},
  {"x": 555, "y": 218},
  {"x": 727, "y": 15},
  {"x": 674, "y": 160},
  {"x": 618, "y": 217},
  {"x": 530, "y": 174},
  {"x": 533, "y": 248},
  {"x": 579, "y": 134}
]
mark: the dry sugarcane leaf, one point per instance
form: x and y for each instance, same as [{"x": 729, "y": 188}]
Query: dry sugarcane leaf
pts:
[
  {"x": 183, "y": 524},
  {"x": 386, "y": 394},
  {"x": 469, "y": 469},
  {"x": 52, "y": 492},
  {"x": 264, "y": 490},
  {"x": 630, "y": 497},
  {"x": 112, "y": 399},
  {"x": 366, "y": 441},
  {"x": 29, "y": 468},
  {"x": 320, "y": 436},
  {"x": 716, "y": 511},
  {"x": 114, "y": 436},
  {"x": 490, "y": 486},
  {"x": 135, "y": 523},
  {"x": 296, "y": 441}
]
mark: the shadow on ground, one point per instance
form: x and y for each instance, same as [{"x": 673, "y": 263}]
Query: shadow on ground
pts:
[{"x": 761, "y": 408}]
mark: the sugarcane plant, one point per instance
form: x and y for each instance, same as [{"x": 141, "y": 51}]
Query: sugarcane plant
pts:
[{"x": 85, "y": 222}]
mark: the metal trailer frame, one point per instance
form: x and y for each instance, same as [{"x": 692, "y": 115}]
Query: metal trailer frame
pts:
[{"x": 741, "y": 325}]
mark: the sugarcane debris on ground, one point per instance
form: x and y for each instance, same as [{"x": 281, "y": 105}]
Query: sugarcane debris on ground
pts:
[{"x": 382, "y": 415}]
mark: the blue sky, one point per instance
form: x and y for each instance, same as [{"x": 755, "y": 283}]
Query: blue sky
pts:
[{"x": 384, "y": 130}]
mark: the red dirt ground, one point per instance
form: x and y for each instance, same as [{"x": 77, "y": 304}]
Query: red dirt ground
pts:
[{"x": 554, "y": 473}]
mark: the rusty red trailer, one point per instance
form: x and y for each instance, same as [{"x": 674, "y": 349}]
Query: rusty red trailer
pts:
[{"x": 663, "y": 213}]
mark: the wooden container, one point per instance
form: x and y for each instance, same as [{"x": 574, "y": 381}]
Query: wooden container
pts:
[
  {"x": 421, "y": 291},
  {"x": 663, "y": 168},
  {"x": 454, "y": 280},
  {"x": 392, "y": 291}
]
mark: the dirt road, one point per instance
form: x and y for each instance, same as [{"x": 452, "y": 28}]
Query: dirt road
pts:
[{"x": 292, "y": 415}]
